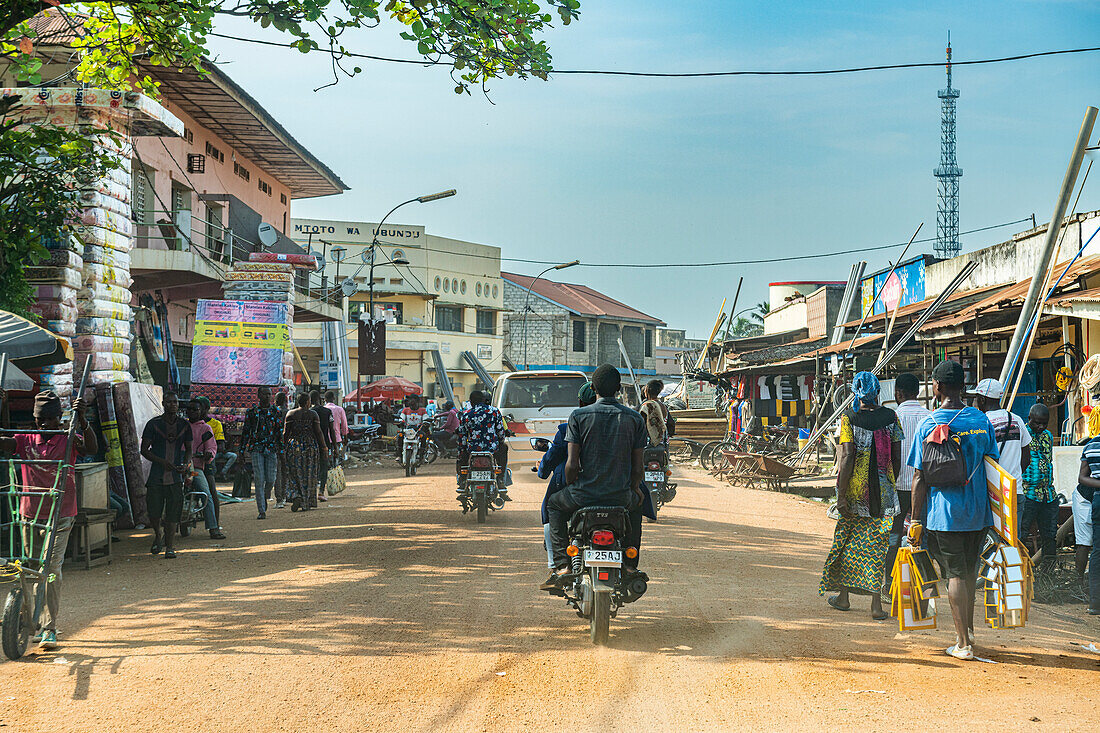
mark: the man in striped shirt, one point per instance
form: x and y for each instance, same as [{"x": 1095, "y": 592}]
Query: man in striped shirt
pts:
[{"x": 911, "y": 414}]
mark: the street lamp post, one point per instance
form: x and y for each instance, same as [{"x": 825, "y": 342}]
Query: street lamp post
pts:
[
  {"x": 527, "y": 301},
  {"x": 396, "y": 261}
]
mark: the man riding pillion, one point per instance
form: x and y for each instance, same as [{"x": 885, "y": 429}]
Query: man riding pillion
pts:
[
  {"x": 605, "y": 444},
  {"x": 481, "y": 429}
]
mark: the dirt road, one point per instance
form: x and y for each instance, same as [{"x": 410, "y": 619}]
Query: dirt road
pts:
[{"x": 389, "y": 610}]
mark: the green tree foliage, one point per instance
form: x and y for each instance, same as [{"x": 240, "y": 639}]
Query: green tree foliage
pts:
[
  {"x": 42, "y": 170},
  {"x": 481, "y": 39},
  {"x": 743, "y": 328}
]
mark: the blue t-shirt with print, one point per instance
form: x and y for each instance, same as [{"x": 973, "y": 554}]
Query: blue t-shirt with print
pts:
[{"x": 963, "y": 508}]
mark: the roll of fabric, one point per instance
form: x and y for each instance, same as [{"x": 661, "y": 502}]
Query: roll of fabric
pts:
[
  {"x": 93, "y": 253},
  {"x": 263, "y": 267},
  {"x": 62, "y": 258},
  {"x": 95, "y": 342},
  {"x": 55, "y": 380},
  {"x": 109, "y": 377},
  {"x": 108, "y": 275},
  {"x": 103, "y": 327},
  {"x": 105, "y": 309},
  {"x": 67, "y": 276},
  {"x": 66, "y": 368},
  {"x": 61, "y": 293},
  {"x": 53, "y": 310},
  {"x": 62, "y": 328},
  {"x": 103, "y": 291},
  {"x": 108, "y": 425},
  {"x": 101, "y": 361},
  {"x": 302, "y": 261}
]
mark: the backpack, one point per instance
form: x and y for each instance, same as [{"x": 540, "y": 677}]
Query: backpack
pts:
[{"x": 943, "y": 464}]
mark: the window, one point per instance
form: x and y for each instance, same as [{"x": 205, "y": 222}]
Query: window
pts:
[
  {"x": 264, "y": 186},
  {"x": 580, "y": 336},
  {"x": 556, "y": 391},
  {"x": 196, "y": 163},
  {"x": 648, "y": 342},
  {"x": 463, "y": 287},
  {"x": 448, "y": 318},
  {"x": 214, "y": 153},
  {"x": 477, "y": 289},
  {"x": 486, "y": 322},
  {"x": 189, "y": 136},
  {"x": 438, "y": 283},
  {"x": 282, "y": 199},
  {"x": 392, "y": 312},
  {"x": 143, "y": 199},
  {"x": 241, "y": 171},
  {"x": 447, "y": 285},
  {"x": 355, "y": 309}
]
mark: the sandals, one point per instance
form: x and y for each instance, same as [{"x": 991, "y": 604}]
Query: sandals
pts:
[
  {"x": 833, "y": 601},
  {"x": 169, "y": 554},
  {"x": 156, "y": 548},
  {"x": 217, "y": 535},
  {"x": 880, "y": 616}
]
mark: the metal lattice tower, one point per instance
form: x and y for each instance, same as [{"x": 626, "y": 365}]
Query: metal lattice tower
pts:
[{"x": 948, "y": 173}]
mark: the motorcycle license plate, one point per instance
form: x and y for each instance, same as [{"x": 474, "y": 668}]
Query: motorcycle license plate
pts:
[
  {"x": 603, "y": 558},
  {"x": 481, "y": 475},
  {"x": 654, "y": 475}
]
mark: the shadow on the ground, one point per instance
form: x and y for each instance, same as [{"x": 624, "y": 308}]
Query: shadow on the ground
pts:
[{"x": 375, "y": 573}]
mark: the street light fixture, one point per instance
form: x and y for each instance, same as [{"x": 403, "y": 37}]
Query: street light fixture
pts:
[{"x": 526, "y": 301}]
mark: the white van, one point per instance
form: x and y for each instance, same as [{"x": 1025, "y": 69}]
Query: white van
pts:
[{"x": 534, "y": 404}]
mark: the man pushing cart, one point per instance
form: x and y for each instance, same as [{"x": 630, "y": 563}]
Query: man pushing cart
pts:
[{"x": 37, "y": 512}]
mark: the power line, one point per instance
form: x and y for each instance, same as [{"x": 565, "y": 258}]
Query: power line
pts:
[
  {"x": 687, "y": 74},
  {"x": 765, "y": 261}
]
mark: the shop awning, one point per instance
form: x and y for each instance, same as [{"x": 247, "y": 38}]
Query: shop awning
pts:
[
  {"x": 31, "y": 346},
  {"x": 1084, "y": 304}
]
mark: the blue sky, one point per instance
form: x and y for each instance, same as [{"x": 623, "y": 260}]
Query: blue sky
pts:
[{"x": 614, "y": 169}]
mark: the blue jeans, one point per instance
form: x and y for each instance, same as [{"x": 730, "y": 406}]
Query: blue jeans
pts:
[
  {"x": 199, "y": 483},
  {"x": 265, "y": 466},
  {"x": 1045, "y": 513}
]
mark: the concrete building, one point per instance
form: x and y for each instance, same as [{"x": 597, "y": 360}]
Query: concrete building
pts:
[
  {"x": 198, "y": 200},
  {"x": 671, "y": 345},
  {"x": 572, "y": 326},
  {"x": 448, "y": 299}
]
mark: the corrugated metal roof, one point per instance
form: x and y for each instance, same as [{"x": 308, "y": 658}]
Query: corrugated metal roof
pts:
[
  {"x": 218, "y": 103},
  {"x": 580, "y": 299}
]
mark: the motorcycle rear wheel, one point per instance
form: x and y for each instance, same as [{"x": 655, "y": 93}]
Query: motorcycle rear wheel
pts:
[
  {"x": 16, "y": 635},
  {"x": 482, "y": 508},
  {"x": 431, "y": 452},
  {"x": 408, "y": 470},
  {"x": 185, "y": 529},
  {"x": 600, "y": 623}
]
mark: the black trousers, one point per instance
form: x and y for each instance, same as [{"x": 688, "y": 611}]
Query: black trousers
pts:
[{"x": 561, "y": 506}]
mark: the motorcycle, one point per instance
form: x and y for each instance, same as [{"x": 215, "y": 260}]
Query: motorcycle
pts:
[
  {"x": 194, "y": 510},
  {"x": 446, "y": 448},
  {"x": 655, "y": 478},
  {"x": 479, "y": 484},
  {"x": 598, "y": 585},
  {"x": 411, "y": 454}
]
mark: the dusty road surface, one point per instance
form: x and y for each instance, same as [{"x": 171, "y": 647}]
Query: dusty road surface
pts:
[{"x": 388, "y": 610}]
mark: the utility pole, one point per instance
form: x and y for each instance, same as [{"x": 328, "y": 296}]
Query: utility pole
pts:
[{"x": 1013, "y": 356}]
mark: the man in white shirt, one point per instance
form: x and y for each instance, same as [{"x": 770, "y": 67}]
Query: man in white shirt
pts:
[
  {"x": 1009, "y": 429},
  {"x": 911, "y": 414}
]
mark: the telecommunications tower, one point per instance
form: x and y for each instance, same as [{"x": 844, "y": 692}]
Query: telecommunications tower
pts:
[{"x": 948, "y": 173}]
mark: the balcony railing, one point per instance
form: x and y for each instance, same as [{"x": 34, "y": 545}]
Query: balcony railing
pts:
[{"x": 185, "y": 232}]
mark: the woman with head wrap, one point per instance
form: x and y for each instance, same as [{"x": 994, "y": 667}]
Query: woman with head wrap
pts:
[
  {"x": 36, "y": 447},
  {"x": 869, "y": 460}
]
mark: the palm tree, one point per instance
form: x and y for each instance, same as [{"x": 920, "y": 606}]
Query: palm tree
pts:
[{"x": 762, "y": 309}]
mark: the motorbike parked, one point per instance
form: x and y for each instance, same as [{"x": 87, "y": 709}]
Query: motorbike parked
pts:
[
  {"x": 657, "y": 473},
  {"x": 479, "y": 485},
  {"x": 194, "y": 510},
  {"x": 598, "y": 583}
]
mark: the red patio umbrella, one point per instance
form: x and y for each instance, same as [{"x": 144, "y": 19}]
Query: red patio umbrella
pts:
[{"x": 387, "y": 388}]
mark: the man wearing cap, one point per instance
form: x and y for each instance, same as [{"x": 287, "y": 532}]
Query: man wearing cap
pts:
[
  {"x": 35, "y": 447},
  {"x": 957, "y": 516},
  {"x": 1009, "y": 430},
  {"x": 605, "y": 442}
]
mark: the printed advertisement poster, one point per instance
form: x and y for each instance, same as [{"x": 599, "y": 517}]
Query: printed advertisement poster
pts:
[{"x": 239, "y": 342}]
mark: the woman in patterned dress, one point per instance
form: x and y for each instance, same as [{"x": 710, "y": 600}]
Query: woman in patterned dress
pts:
[
  {"x": 302, "y": 442},
  {"x": 870, "y": 460}
]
